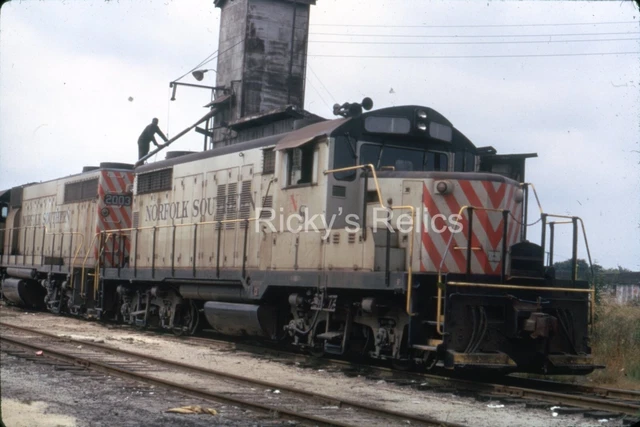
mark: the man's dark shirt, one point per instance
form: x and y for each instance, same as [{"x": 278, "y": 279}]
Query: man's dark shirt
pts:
[{"x": 148, "y": 133}]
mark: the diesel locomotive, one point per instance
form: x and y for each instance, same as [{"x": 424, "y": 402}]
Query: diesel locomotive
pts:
[{"x": 384, "y": 233}]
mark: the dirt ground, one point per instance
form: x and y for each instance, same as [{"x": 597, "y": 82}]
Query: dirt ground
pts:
[
  {"x": 30, "y": 388},
  {"x": 33, "y": 394}
]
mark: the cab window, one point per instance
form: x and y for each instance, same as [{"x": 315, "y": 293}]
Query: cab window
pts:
[
  {"x": 300, "y": 162},
  {"x": 4, "y": 213},
  {"x": 343, "y": 157}
]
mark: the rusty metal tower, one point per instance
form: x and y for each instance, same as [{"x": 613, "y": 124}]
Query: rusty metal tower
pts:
[{"x": 261, "y": 61}]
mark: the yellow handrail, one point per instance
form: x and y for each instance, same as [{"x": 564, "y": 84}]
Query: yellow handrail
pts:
[
  {"x": 413, "y": 216},
  {"x": 586, "y": 244},
  {"x": 84, "y": 262},
  {"x": 96, "y": 274},
  {"x": 535, "y": 193}
]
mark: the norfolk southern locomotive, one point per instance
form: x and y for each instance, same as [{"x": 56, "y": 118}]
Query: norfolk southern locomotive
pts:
[{"x": 384, "y": 233}]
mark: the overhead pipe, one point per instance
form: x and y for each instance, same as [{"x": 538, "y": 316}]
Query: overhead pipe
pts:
[{"x": 172, "y": 140}]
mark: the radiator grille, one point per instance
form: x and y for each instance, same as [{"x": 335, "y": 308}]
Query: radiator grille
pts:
[
  {"x": 80, "y": 190},
  {"x": 155, "y": 181}
]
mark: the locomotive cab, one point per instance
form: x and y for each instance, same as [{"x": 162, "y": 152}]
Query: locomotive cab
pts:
[{"x": 465, "y": 208}]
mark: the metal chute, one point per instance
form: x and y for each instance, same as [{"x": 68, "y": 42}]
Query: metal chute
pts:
[{"x": 172, "y": 140}]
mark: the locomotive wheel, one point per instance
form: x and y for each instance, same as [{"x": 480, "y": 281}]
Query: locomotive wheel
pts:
[
  {"x": 402, "y": 364},
  {"x": 430, "y": 358},
  {"x": 190, "y": 320},
  {"x": 316, "y": 352}
]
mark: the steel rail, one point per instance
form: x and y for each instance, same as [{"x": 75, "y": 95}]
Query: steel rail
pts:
[
  {"x": 606, "y": 392},
  {"x": 586, "y": 402},
  {"x": 106, "y": 368},
  {"x": 330, "y": 399}
]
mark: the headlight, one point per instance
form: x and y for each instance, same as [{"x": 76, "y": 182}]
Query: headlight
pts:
[
  {"x": 422, "y": 114},
  {"x": 422, "y": 126}
]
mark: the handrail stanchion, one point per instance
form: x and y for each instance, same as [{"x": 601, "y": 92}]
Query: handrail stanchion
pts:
[
  {"x": 61, "y": 253},
  {"x": 525, "y": 211},
  {"x": 173, "y": 251},
  {"x": 218, "y": 250},
  {"x": 543, "y": 237},
  {"x": 469, "y": 241},
  {"x": 24, "y": 246},
  {"x": 70, "y": 250},
  {"x": 135, "y": 255},
  {"x": 44, "y": 235},
  {"x": 33, "y": 247},
  {"x": 244, "y": 249},
  {"x": 387, "y": 257},
  {"x": 195, "y": 248},
  {"x": 574, "y": 254},
  {"x": 364, "y": 207},
  {"x": 551, "y": 241},
  {"x": 505, "y": 230},
  {"x": 153, "y": 254}
]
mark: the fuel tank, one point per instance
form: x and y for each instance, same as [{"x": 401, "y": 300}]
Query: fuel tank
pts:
[
  {"x": 241, "y": 319},
  {"x": 25, "y": 293}
]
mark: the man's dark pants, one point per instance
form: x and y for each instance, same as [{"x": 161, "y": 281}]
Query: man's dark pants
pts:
[{"x": 143, "y": 148}]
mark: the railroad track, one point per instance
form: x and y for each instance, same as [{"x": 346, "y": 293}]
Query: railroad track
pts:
[
  {"x": 571, "y": 397},
  {"x": 592, "y": 398},
  {"x": 288, "y": 402}
]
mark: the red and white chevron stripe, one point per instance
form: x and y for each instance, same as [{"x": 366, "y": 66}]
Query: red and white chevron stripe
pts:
[
  {"x": 114, "y": 217},
  {"x": 487, "y": 226}
]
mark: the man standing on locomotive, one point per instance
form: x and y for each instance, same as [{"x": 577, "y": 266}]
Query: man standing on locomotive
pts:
[{"x": 147, "y": 136}]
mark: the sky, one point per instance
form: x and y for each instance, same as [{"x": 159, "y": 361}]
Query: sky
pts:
[{"x": 79, "y": 80}]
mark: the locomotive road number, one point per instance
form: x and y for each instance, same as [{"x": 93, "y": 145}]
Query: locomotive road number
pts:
[{"x": 117, "y": 199}]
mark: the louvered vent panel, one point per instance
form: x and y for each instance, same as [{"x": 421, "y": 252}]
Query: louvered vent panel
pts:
[
  {"x": 221, "y": 203},
  {"x": 232, "y": 204},
  {"x": 136, "y": 219},
  {"x": 336, "y": 238},
  {"x": 246, "y": 202},
  {"x": 267, "y": 203}
]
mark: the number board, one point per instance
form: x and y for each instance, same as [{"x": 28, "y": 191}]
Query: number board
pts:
[{"x": 118, "y": 199}]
